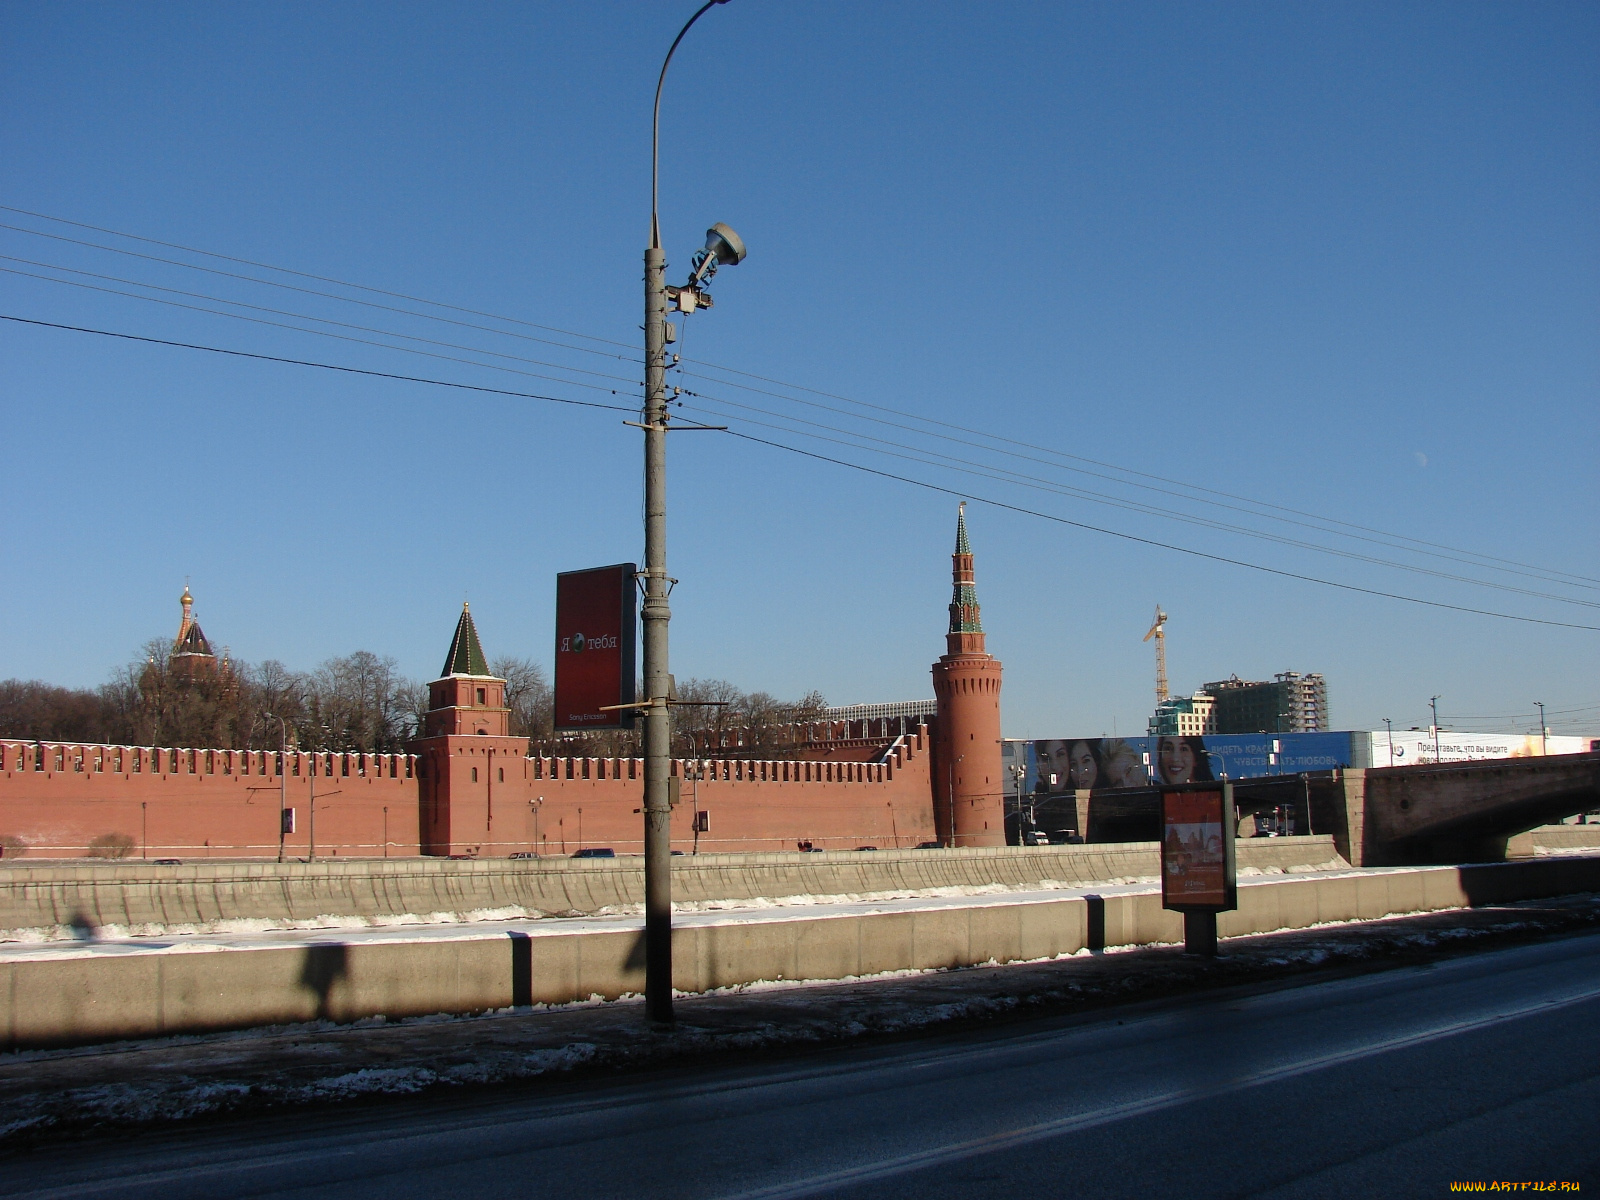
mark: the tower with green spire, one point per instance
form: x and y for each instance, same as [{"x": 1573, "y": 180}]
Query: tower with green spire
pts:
[
  {"x": 968, "y": 805},
  {"x": 966, "y": 625},
  {"x": 467, "y": 756}
]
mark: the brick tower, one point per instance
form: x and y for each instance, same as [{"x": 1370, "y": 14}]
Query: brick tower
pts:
[
  {"x": 468, "y": 758},
  {"x": 968, "y": 807}
]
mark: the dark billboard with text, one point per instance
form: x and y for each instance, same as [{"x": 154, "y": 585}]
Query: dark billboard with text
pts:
[{"x": 594, "y": 672}]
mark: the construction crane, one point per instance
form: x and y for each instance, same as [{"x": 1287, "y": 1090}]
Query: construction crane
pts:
[{"x": 1158, "y": 630}]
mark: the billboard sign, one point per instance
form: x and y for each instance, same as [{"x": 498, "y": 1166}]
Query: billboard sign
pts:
[
  {"x": 1412, "y": 747},
  {"x": 1197, "y": 866},
  {"x": 1175, "y": 759},
  {"x": 1063, "y": 766},
  {"x": 595, "y": 623}
]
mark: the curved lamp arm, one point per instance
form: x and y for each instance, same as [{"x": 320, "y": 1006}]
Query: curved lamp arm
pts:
[{"x": 655, "y": 125}]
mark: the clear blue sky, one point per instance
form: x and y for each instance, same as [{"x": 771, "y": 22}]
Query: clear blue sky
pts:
[{"x": 1338, "y": 257}]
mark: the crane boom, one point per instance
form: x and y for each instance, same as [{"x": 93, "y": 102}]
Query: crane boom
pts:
[{"x": 1158, "y": 630}]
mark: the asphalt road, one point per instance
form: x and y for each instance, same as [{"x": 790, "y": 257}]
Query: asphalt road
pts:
[{"x": 1480, "y": 1068}]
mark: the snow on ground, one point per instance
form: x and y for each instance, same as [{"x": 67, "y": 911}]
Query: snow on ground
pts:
[
  {"x": 79, "y": 934},
  {"x": 76, "y": 941}
]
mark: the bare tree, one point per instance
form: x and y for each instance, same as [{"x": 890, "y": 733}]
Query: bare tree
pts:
[
  {"x": 739, "y": 724},
  {"x": 527, "y": 695},
  {"x": 359, "y": 702},
  {"x": 42, "y": 712}
]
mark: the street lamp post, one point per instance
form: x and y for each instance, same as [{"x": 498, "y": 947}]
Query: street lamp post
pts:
[
  {"x": 1389, "y": 725},
  {"x": 1434, "y": 704},
  {"x": 1544, "y": 732},
  {"x": 654, "y": 612}
]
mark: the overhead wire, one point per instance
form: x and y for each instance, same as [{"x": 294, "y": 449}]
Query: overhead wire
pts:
[
  {"x": 1535, "y": 573},
  {"x": 360, "y": 287},
  {"x": 280, "y": 312},
  {"x": 305, "y": 291},
  {"x": 1141, "y": 474},
  {"x": 343, "y": 337},
  {"x": 959, "y": 464},
  {"x": 919, "y": 483},
  {"x": 967, "y": 466},
  {"x": 1489, "y": 562},
  {"x": 1220, "y": 558},
  {"x": 301, "y": 362}
]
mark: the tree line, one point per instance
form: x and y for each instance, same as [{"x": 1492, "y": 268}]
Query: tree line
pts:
[{"x": 353, "y": 702}]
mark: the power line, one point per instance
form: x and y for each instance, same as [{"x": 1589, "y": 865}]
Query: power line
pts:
[
  {"x": 289, "y": 287},
  {"x": 300, "y": 362},
  {"x": 968, "y": 467},
  {"x": 1348, "y": 587},
  {"x": 1512, "y": 567},
  {"x": 343, "y": 337},
  {"x": 933, "y": 487},
  {"x": 983, "y": 470},
  {"x": 360, "y": 287},
  {"x": 1487, "y": 561},
  {"x": 537, "y": 362}
]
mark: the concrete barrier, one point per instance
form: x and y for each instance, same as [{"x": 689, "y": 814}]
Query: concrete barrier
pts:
[
  {"x": 38, "y": 895},
  {"x": 48, "y": 998},
  {"x": 1554, "y": 839}
]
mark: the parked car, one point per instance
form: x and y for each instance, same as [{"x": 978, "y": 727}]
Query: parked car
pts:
[
  {"x": 595, "y": 852},
  {"x": 524, "y": 854},
  {"x": 928, "y": 846},
  {"x": 866, "y": 847}
]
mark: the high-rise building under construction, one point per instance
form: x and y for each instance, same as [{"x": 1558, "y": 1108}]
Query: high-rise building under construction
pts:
[{"x": 1289, "y": 703}]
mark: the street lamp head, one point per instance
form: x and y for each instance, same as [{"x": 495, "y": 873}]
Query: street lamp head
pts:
[
  {"x": 725, "y": 244},
  {"x": 724, "y": 248}
]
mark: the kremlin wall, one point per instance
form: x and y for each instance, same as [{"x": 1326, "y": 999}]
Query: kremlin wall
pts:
[{"x": 468, "y": 788}]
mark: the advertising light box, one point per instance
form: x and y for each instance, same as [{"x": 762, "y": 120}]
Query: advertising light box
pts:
[
  {"x": 594, "y": 673},
  {"x": 1197, "y": 865}
]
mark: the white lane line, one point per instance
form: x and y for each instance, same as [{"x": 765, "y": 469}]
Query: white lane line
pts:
[{"x": 1008, "y": 1139}]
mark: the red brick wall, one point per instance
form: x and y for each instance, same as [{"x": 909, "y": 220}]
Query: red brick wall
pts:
[{"x": 200, "y": 803}]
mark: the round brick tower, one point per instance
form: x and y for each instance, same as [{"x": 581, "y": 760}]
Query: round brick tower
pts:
[{"x": 968, "y": 807}]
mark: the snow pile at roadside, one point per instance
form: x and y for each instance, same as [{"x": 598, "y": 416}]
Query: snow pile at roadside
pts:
[
  {"x": 1333, "y": 864},
  {"x": 78, "y": 933},
  {"x": 515, "y": 912}
]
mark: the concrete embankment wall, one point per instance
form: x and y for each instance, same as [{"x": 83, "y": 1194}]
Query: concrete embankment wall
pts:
[
  {"x": 55, "y": 1001},
  {"x": 1554, "y": 839},
  {"x": 45, "y": 895}
]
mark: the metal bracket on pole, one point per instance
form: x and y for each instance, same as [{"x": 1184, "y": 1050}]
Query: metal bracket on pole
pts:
[{"x": 678, "y": 428}]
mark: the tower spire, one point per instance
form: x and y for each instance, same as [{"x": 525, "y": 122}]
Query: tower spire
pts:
[
  {"x": 466, "y": 653},
  {"x": 965, "y": 635}
]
